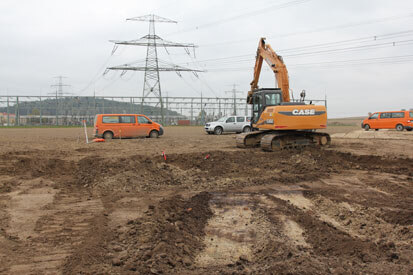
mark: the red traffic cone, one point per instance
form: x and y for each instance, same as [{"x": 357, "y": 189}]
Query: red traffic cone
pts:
[{"x": 164, "y": 155}]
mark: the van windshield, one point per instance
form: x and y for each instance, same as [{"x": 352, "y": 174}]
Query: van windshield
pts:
[{"x": 374, "y": 116}]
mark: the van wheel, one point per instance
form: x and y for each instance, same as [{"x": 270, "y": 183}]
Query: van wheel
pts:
[
  {"x": 154, "y": 134},
  {"x": 107, "y": 135},
  {"x": 218, "y": 130},
  {"x": 366, "y": 127},
  {"x": 399, "y": 127},
  {"x": 409, "y": 129}
]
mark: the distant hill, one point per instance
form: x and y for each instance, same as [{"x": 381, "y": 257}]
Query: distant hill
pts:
[{"x": 83, "y": 106}]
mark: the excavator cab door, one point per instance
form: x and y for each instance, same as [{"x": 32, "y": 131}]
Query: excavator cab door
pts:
[
  {"x": 257, "y": 107},
  {"x": 262, "y": 99}
]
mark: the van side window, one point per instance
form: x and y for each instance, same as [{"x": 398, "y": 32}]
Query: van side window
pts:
[
  {"x": 397, "y": 115},
  {"x": 143, "y": 120},
  {"x": 411, "y": 114},
  {"x": 110, "y": 119},
  {"x": 240, "y": 119},
  {"x": 127, "y": 119},
  {"x": 385, "y": 115}
]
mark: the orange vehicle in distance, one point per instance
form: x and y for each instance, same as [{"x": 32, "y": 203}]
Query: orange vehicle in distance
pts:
[
  {"x": 398, "y": 120},
  {"x": 110, "y": 126}
]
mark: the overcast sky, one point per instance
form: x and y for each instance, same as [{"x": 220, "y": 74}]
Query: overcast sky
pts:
[{"x": 358, "y": 53}]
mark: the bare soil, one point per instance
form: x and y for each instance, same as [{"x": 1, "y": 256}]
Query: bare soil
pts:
[{"x": 119, "y": 207}]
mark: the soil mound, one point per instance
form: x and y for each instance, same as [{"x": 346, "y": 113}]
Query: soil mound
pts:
[{"x": 167, "y": 238}]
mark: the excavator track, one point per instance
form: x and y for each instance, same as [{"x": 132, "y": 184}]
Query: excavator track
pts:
[
  {"x": 249, "y": 140},
  {"x": 281, "y": 140},
  {"x": 295, "y": 139}
]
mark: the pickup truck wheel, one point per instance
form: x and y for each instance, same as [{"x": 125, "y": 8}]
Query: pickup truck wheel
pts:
[
  {"x": 154, "y": 134},
  {"x": 246, "y": 129},
  {"x": 399, "y": 127},
  {"x": 366, "y": 127},
  {"x": 218, "y": 130},
  {"x": 108, "y": 135}
]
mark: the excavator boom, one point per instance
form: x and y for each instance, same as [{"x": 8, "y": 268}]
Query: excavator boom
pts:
[{"x": 276, "y": 63}]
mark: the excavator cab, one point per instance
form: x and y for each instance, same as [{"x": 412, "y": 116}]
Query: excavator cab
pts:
[{"x": 263, "y": 98}]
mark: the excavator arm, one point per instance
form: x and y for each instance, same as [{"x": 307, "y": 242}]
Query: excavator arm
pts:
[{"x": 276, "y": 63}]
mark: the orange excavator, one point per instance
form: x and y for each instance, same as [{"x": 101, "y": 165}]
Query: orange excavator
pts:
[{"x": 279, "y": 123}]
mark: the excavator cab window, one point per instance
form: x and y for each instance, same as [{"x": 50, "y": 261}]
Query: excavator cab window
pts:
[{"x": 272, "y": 99}]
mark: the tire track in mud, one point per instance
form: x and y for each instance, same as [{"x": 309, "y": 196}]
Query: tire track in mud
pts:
[
  {"x": 284, "y": 231},
  {"x": 63, "y": 225},
  {"x": 343, "y": 247}
]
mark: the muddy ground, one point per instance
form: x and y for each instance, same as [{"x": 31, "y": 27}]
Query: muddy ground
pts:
[{"x": 119, "y": 207}]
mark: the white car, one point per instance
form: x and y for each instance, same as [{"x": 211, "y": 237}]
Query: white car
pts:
[{"x": 226, "y": 124}]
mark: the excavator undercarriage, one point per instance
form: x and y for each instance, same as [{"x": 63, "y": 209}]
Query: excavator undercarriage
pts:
[{"x": 270, "y": 140}]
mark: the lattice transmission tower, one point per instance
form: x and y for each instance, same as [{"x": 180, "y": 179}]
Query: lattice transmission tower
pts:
[{"x": 153, "y": 65}]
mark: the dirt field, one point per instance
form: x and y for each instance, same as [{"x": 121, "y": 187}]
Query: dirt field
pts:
[{"x": 118, "y": 207}]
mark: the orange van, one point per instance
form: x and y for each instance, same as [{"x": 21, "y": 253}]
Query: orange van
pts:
[
  {"x": 111, "y": 126},
  {"x": 398, "y": 120}
]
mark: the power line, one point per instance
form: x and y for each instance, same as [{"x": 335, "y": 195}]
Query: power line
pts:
[
  {"x": 322, "y": 45},
  {"x": 391, "y": 44},
  {"x": 350, "y": 62},
  {"x": 343, "y": 26},
  {"x": 244, "y": 15},
  {"x": 97, "y": 76}
]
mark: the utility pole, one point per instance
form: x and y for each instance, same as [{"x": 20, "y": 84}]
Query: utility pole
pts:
[
  {"x": 167, "y": 108},
  {"x": 234, "y": 94},
  {"x": 153, "y": 65},
  {"x": 219, "y": 108},
  {"x": 192, "y": 110},
  {"x": 58, "y": 92},
  {"x": 8, "y": 111}
]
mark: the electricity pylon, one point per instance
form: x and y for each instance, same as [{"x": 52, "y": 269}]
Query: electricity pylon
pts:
[
  {"x": 234, "y": 93},
  {"x": 153, "y": 65},
  {"x": 59, "y": 93}
]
